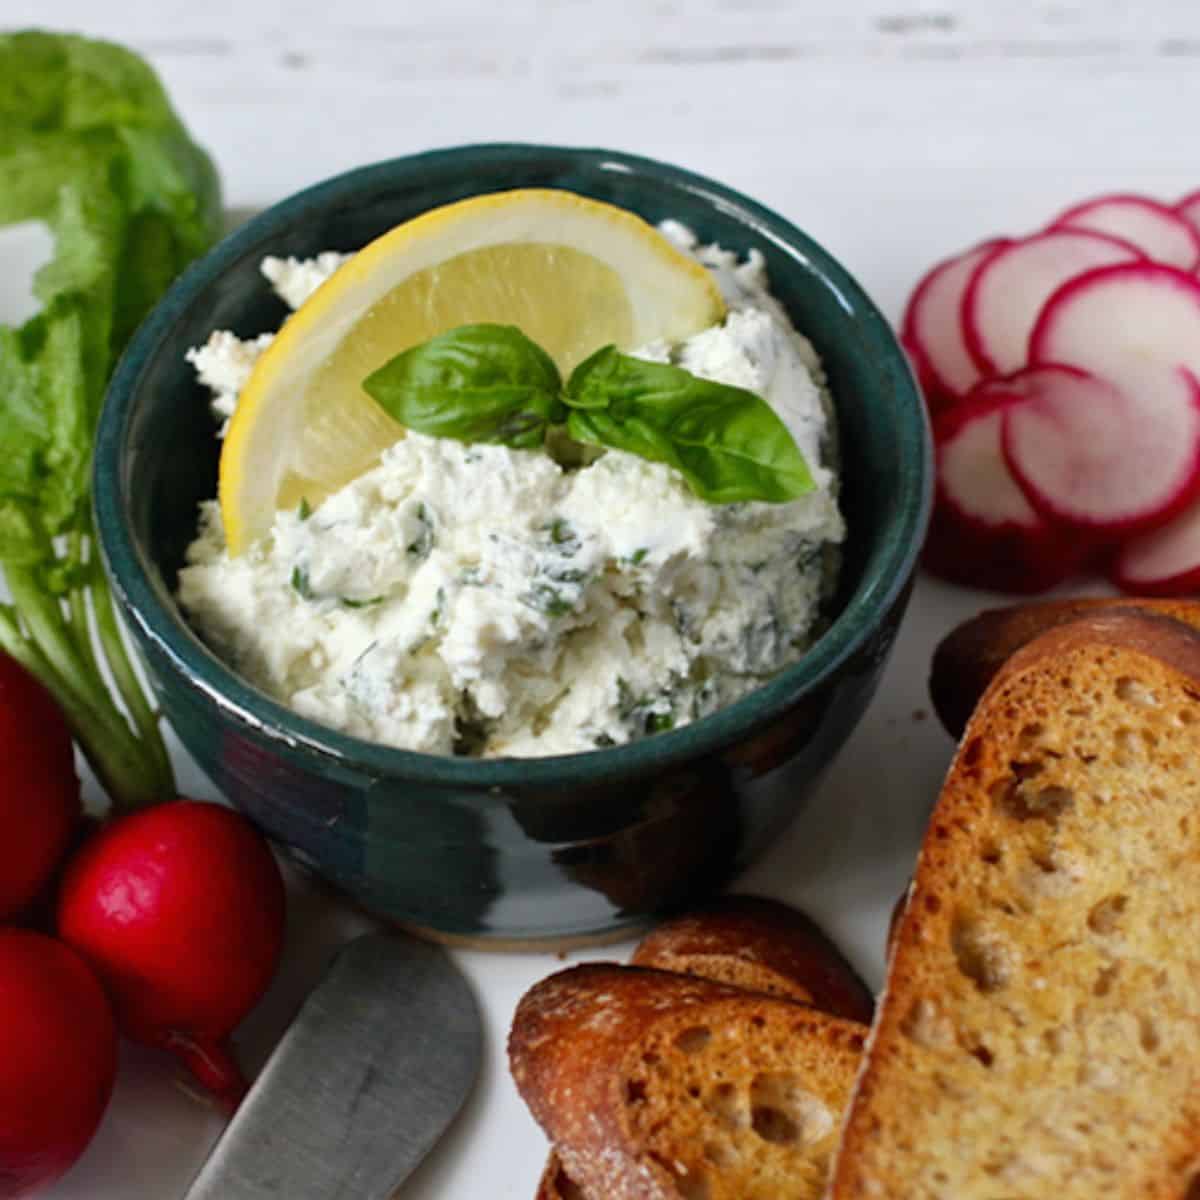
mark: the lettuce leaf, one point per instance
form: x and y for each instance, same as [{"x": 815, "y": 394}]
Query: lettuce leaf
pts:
[{"x": 90, "y": 145}]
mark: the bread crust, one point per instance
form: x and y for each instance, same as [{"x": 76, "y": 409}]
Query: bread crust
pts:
[
  {"x": 1027, "y": 952},
  {"x": 578, "y": 1055},
  {"x": 761, "y": 945},
  {"x": 968, "y": 657},
  {"x": 556, "y": 1184},
  {"x": 749, "y": 942},
  {"x": 566, "y": 1034}
]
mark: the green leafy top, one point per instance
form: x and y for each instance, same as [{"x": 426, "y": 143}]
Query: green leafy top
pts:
[
  {"x": 89, "y": 144},
  {"x": 491, "y": 383}
]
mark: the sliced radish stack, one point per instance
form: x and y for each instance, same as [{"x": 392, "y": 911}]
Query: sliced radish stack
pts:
[
  {"x": 984, "y": 532},
  {"x": 1123, "y": 323},
  {"x": 1161, "y": 232},
  {"x": 1062, "y": 371},
  {"x": 932, "y": 329},
  {"x": 1165, "y": 562},
  {"x": 1101, "y": 458},
  {"x": 1189, "y": 209},
  {"x": 974, "y": 475},
  {"x": 1007, "y": 292}
]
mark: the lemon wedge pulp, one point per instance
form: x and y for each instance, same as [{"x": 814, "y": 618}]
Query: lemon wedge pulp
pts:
[{"x": 572, "y": 273}]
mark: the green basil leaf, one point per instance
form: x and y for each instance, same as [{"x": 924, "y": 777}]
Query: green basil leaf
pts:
[
  {"x": 476, "y": 383},
  {"x": 728, "y": 443},
  {"x": 599, "y": 428}
]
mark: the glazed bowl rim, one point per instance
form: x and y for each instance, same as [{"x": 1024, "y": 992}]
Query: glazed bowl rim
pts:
[{"x": 132, "y": 573}]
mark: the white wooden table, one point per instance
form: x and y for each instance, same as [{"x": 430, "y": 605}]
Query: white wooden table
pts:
[{"x": 892, "y": 130}]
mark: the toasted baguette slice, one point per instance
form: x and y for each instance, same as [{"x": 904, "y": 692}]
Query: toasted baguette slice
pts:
[
  {"x": 656, "y": 1086},
  {"x": 763, "y": 946},
  {"x": 753, "y": 943},
  {"x": 1039, "y": 1035},
  {"x": 968, "y": 657},
  {"x": 556, "y": 1184}
]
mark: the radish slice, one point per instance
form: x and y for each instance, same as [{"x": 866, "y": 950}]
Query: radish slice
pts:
[
  {"x": 1156, "y": 229},
  {"x": 1189, "y": 209},
  {"x": 932, "y": 328},
  {"x": 1123, "y": 323},
  {"x": 1165, "y": 562},
  {"x": 984, "y": 532},
  {"x": 972, "y": 473},
  {"x": 1007, "y": 292},
  {"x": 1088, "y": 454}
]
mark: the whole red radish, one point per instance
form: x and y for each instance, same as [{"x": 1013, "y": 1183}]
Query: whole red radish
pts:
[
  {"x": 58, "y": 1060},
  {"x": 39, "y": 791},
  {"x": 180, "y": 908}
]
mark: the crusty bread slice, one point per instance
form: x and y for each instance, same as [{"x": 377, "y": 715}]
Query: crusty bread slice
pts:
[
  {"x": 750, "y": 942},
  {"x": 761, "y": 945},
  {"x": 556, "y": 1184},
  {"x": 1039, "y": 1035},
  {"x": 657, "y": 1086},
  {"x": 968, "y": 657}
]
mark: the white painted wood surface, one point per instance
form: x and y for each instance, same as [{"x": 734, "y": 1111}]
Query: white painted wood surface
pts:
[{"x": 893, "y": 130}]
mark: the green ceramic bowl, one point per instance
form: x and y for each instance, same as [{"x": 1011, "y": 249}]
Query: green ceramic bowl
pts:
[{"x": 561, "y": 847}]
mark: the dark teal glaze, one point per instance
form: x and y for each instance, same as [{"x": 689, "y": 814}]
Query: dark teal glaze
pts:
[{"x": 564, "y": 846}]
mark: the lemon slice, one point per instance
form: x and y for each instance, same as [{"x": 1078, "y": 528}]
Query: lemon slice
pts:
[{"x": 572, "y": 273}]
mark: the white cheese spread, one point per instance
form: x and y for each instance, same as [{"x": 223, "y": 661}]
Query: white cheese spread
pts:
[{"x": 476, "y": 599}]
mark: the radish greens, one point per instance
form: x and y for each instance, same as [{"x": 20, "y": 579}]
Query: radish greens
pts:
[{"x": 90, "y": 145}]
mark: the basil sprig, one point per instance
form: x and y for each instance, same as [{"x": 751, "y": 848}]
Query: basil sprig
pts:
[
  {"x": 491, "y": 383},
  {"x": 476, "y": 383}
]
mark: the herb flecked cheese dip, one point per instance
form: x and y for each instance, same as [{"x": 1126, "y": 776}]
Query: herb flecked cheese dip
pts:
[{"x": 482, "y": 600}]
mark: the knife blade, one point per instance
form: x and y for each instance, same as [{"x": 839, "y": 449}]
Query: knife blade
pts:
[{"x": 379, "y": 1061}]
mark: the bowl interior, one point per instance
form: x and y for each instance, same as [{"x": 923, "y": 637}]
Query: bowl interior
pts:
[{"x": 157, "y": 455}]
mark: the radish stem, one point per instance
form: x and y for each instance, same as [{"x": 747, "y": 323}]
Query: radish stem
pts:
[
  {"x": 132, "y": 775},
  {"x": 214, "y": 1066},
  {"x": 130, "y": 200},
  {"x": 77, "y": 600},
  {"x": 43, "y": 616},
  {"x": 145, "y": 719}
]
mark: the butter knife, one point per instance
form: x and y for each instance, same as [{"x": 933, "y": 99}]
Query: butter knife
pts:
[{"x": 380, "y": 1060}]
